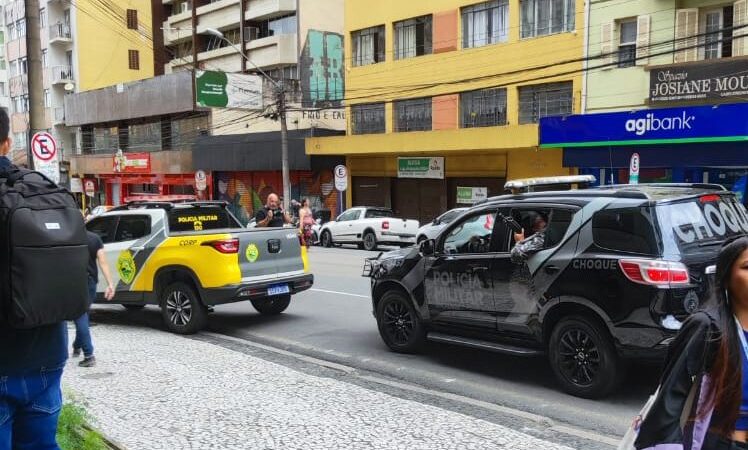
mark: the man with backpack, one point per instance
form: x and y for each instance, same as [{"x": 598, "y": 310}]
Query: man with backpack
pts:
[{"x": 42, "y": 265}]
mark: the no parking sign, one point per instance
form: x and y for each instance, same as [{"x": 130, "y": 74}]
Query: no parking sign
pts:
[{"x": 44, "y": 150}]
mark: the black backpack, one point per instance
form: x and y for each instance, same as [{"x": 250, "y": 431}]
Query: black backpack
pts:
[{"x": 43, "y": 252}]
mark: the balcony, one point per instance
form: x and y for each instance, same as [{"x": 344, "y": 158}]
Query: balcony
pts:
[
  {"x": 266, "y": 9},
  {"x": 19, "y": 85},
  {"x": 273, "y": 50},
  {"x": 61, "y": 75},
  {"x": 60, "y": 33}
]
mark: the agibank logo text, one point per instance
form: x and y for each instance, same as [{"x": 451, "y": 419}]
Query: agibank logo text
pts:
[{"x": 652, "y": 123}]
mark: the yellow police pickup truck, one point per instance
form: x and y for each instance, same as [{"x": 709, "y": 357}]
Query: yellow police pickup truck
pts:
[{"x": 188, "y": 257}]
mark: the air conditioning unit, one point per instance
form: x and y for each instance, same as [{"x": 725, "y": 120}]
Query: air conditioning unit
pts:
[{"x": 251, "y": 33}]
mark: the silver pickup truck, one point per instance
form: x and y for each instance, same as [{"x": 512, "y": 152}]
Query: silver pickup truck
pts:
[{"x": 188, "y": 257}]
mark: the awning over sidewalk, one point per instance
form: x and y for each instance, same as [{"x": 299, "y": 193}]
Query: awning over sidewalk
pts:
[{"x": 257, "y": 151}]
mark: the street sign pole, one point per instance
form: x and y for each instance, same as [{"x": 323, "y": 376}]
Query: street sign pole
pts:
[{"x": 634, "y": 169}]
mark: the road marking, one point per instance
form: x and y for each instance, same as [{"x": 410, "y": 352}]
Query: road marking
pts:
[
  {"x": 352, "y": 371},
  {"x": 339, "y": 293}
]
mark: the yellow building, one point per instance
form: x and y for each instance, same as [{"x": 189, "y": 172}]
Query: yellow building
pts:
[
  {"x": 114, "y": 44},
  {"x": 446, "y": 94}
]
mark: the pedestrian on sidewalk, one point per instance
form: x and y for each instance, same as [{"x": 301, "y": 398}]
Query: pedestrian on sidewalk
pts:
[
  {"x": 306, "y": 222},
  {"x": 83, "y": 341},
  {"x": 31, "y": 364},
  {"x": 702, "y": 402}
]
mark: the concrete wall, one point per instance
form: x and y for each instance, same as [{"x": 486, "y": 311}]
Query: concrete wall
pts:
[{"x": 162, "y": 95}]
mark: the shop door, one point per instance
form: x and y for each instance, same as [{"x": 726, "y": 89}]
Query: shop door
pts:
[
  {"x": 371, "y": 191},
  {"x": 422, "y": 200}
]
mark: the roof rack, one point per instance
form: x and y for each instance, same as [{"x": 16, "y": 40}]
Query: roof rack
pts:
[
  {"x": 527, "y": 184},
  {"x": 709, "y": 186},
  {"x": 144, "y": 204},
  {"x": 575, "y": 193}
]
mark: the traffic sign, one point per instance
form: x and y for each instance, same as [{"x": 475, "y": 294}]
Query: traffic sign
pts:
[
  {"x": 89, "y": 187},
  {"x": 341, "y": 178},
  {"x": 44, "y": 146},
  {"x": 201, "y": 180},
  {"x": 634, "y": 169}
]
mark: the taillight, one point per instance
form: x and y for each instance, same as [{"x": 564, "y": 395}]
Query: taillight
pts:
[
  {"x": 655, "y": 273},
  {"x": 385, "y": 225},
  {"x": 709, "y": 198},
  {"x": 226, "y": 246}
]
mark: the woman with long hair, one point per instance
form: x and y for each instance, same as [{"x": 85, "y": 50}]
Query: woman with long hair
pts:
[
  {"x": 306, "y": 222},
  {"x": 703, "y": 397}
]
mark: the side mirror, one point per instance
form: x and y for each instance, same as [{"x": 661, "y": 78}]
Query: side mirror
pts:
[
  {"x": 428, "y": 247},
  {"x": 435, "y": 222},
  {"x": 318, "y": 221}
]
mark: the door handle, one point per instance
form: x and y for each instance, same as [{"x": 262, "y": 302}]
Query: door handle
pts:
[
  {"x": 551, "y": 269},
  {"x": 476, "y": 269}
]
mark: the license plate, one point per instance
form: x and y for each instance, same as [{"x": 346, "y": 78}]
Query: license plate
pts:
[{"x": 278, "y": 289}]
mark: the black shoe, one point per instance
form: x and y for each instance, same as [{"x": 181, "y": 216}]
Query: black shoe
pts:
[
  {"x": 76, "y": 352},
  {"x": 88, "y": 361}
]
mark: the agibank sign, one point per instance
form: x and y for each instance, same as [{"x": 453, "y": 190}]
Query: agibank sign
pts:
[{"x": 721, "y": 123}]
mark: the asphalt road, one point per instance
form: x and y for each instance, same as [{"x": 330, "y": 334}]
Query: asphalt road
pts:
[{"x": 333, "y": 321}]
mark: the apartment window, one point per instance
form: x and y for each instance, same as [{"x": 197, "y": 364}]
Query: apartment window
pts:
[
  {"x": 11, "y": 31},
  {"x": 2, "y": 89},
  {"x": 43, "y": 17},
  {"x": 542, "y": 100},
  {"x": 185, "y": 131},
  {"x": 627, "y": 43},
  {"x": 47, "y": 99},
  {"x": 485, "y": 23},
  {"x": 132, "y": 19},
  {"x": 716, "y": 27},
  {"x": 13, "y": 68},
  {"x": 367, "y": 119},
  {"x": 483, "y": 108},
  {"x": 216, "y": 42},
  {"x": 282, "y": 25},
  {"x": 105, "y": 139},
  {"x": 45, "y": 55},
  {"x": 284, "y": 73},
  {"x": 368, "y": 46},
  {"x": 21, "y": 28},
  {"x": 413, "y": 37},
  {"x": 23, "y": 66},
  {"x": 182, "y": 7},
  {"x": 134, "y": 59},
  {"x": 145, "y": 137},
  {"x": 544, "y": 17},
  {"x": 413, "y": 115}
]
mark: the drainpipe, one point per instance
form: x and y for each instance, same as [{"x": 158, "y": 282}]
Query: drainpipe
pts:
[{"x": 585, "y": 55}]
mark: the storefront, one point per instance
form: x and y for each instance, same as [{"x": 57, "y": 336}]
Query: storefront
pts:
[
  {"x": 247, "y": 168},
  {"x": 685, "y": 144}
]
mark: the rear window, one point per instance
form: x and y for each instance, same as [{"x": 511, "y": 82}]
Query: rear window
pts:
[
  {"x": 629, "y": 230},
  {"x": 377, "y": 213},
  {"x": 701, "y": 222},
  {"x": 200, "y": 219}
]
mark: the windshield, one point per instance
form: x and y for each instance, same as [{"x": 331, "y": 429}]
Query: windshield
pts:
[
  {"x": 705, "y": 221},
  {"x": 378, "y": 213}
]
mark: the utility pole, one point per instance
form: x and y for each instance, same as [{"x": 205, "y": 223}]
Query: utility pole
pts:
[
  {"x": 280, "y": 89},
  {"x": 37, "y": 116}
]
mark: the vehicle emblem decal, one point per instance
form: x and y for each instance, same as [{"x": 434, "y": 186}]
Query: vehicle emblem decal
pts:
[
  {"x": 126, "y": 267},
  {"x": 252, "y": 253}
]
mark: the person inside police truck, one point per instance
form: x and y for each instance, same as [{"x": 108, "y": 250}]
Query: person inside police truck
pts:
[{"x": 535, "y": 224}]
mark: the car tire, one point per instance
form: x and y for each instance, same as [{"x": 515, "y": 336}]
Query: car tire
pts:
[
  {"x": 133, "y": 307},
  {"x": 370, "y": 241},
  {"x": 326, "y": 239},
  {"x": 182, "y": 310},
  {"x": 583, "y": 357},
  {"x": 272, "y": 306},
  {"x": 315, "y": 238},
  {"x": 399, "y": 325}
]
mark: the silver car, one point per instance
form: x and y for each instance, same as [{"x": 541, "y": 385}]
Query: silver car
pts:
[{"x": 431, "y": 230}]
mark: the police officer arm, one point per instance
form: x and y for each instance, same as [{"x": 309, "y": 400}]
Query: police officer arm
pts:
[
  {"x": 267, "y": 215},
  {"x": 101, "y": 258}
]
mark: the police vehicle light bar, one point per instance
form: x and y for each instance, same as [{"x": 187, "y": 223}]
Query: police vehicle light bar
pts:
[
  {"x": 527, "y": 183},
  {"x": 655, "y": 273}
]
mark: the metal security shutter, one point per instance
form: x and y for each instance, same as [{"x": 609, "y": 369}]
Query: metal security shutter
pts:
[{"x": 371, "y": 191}]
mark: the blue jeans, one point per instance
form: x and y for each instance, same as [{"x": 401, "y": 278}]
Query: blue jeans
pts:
[
  {"x": 82, "y": 330},
  {"x": 29, "y": 408}
]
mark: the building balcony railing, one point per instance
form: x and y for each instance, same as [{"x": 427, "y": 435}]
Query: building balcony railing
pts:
[
  {"x": 60, "y": 33},
  {"x": 61, "y": 74}
]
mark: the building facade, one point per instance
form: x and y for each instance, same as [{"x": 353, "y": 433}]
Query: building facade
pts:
[
  {"x": 666, "y": 80},
  {"x": 85, "y": 45},
  {"x": 297, "y": 44},
  {"x": 446, "y": 94}
]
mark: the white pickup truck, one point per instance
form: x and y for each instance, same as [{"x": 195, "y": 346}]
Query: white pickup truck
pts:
[{"x": 369, "y": 227}]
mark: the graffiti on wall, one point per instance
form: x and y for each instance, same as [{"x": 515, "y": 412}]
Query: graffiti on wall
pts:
[
  {"x": 247, "y": 192},
  {"x": 321, "y": 70}
]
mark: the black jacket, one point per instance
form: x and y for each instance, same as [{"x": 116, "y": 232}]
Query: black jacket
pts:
[{"x": 689, "y": 357}]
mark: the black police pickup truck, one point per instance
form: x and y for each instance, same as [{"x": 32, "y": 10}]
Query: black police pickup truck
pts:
[{"x": 618, "y": 270}]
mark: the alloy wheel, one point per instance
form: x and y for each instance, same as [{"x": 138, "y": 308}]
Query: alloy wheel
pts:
[
  {"x": 179, "y": 308},
  {"x": 580, "y": 357}
]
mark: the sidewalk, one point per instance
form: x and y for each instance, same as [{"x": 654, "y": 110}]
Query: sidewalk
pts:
[{"x": 154, "y": 390}]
